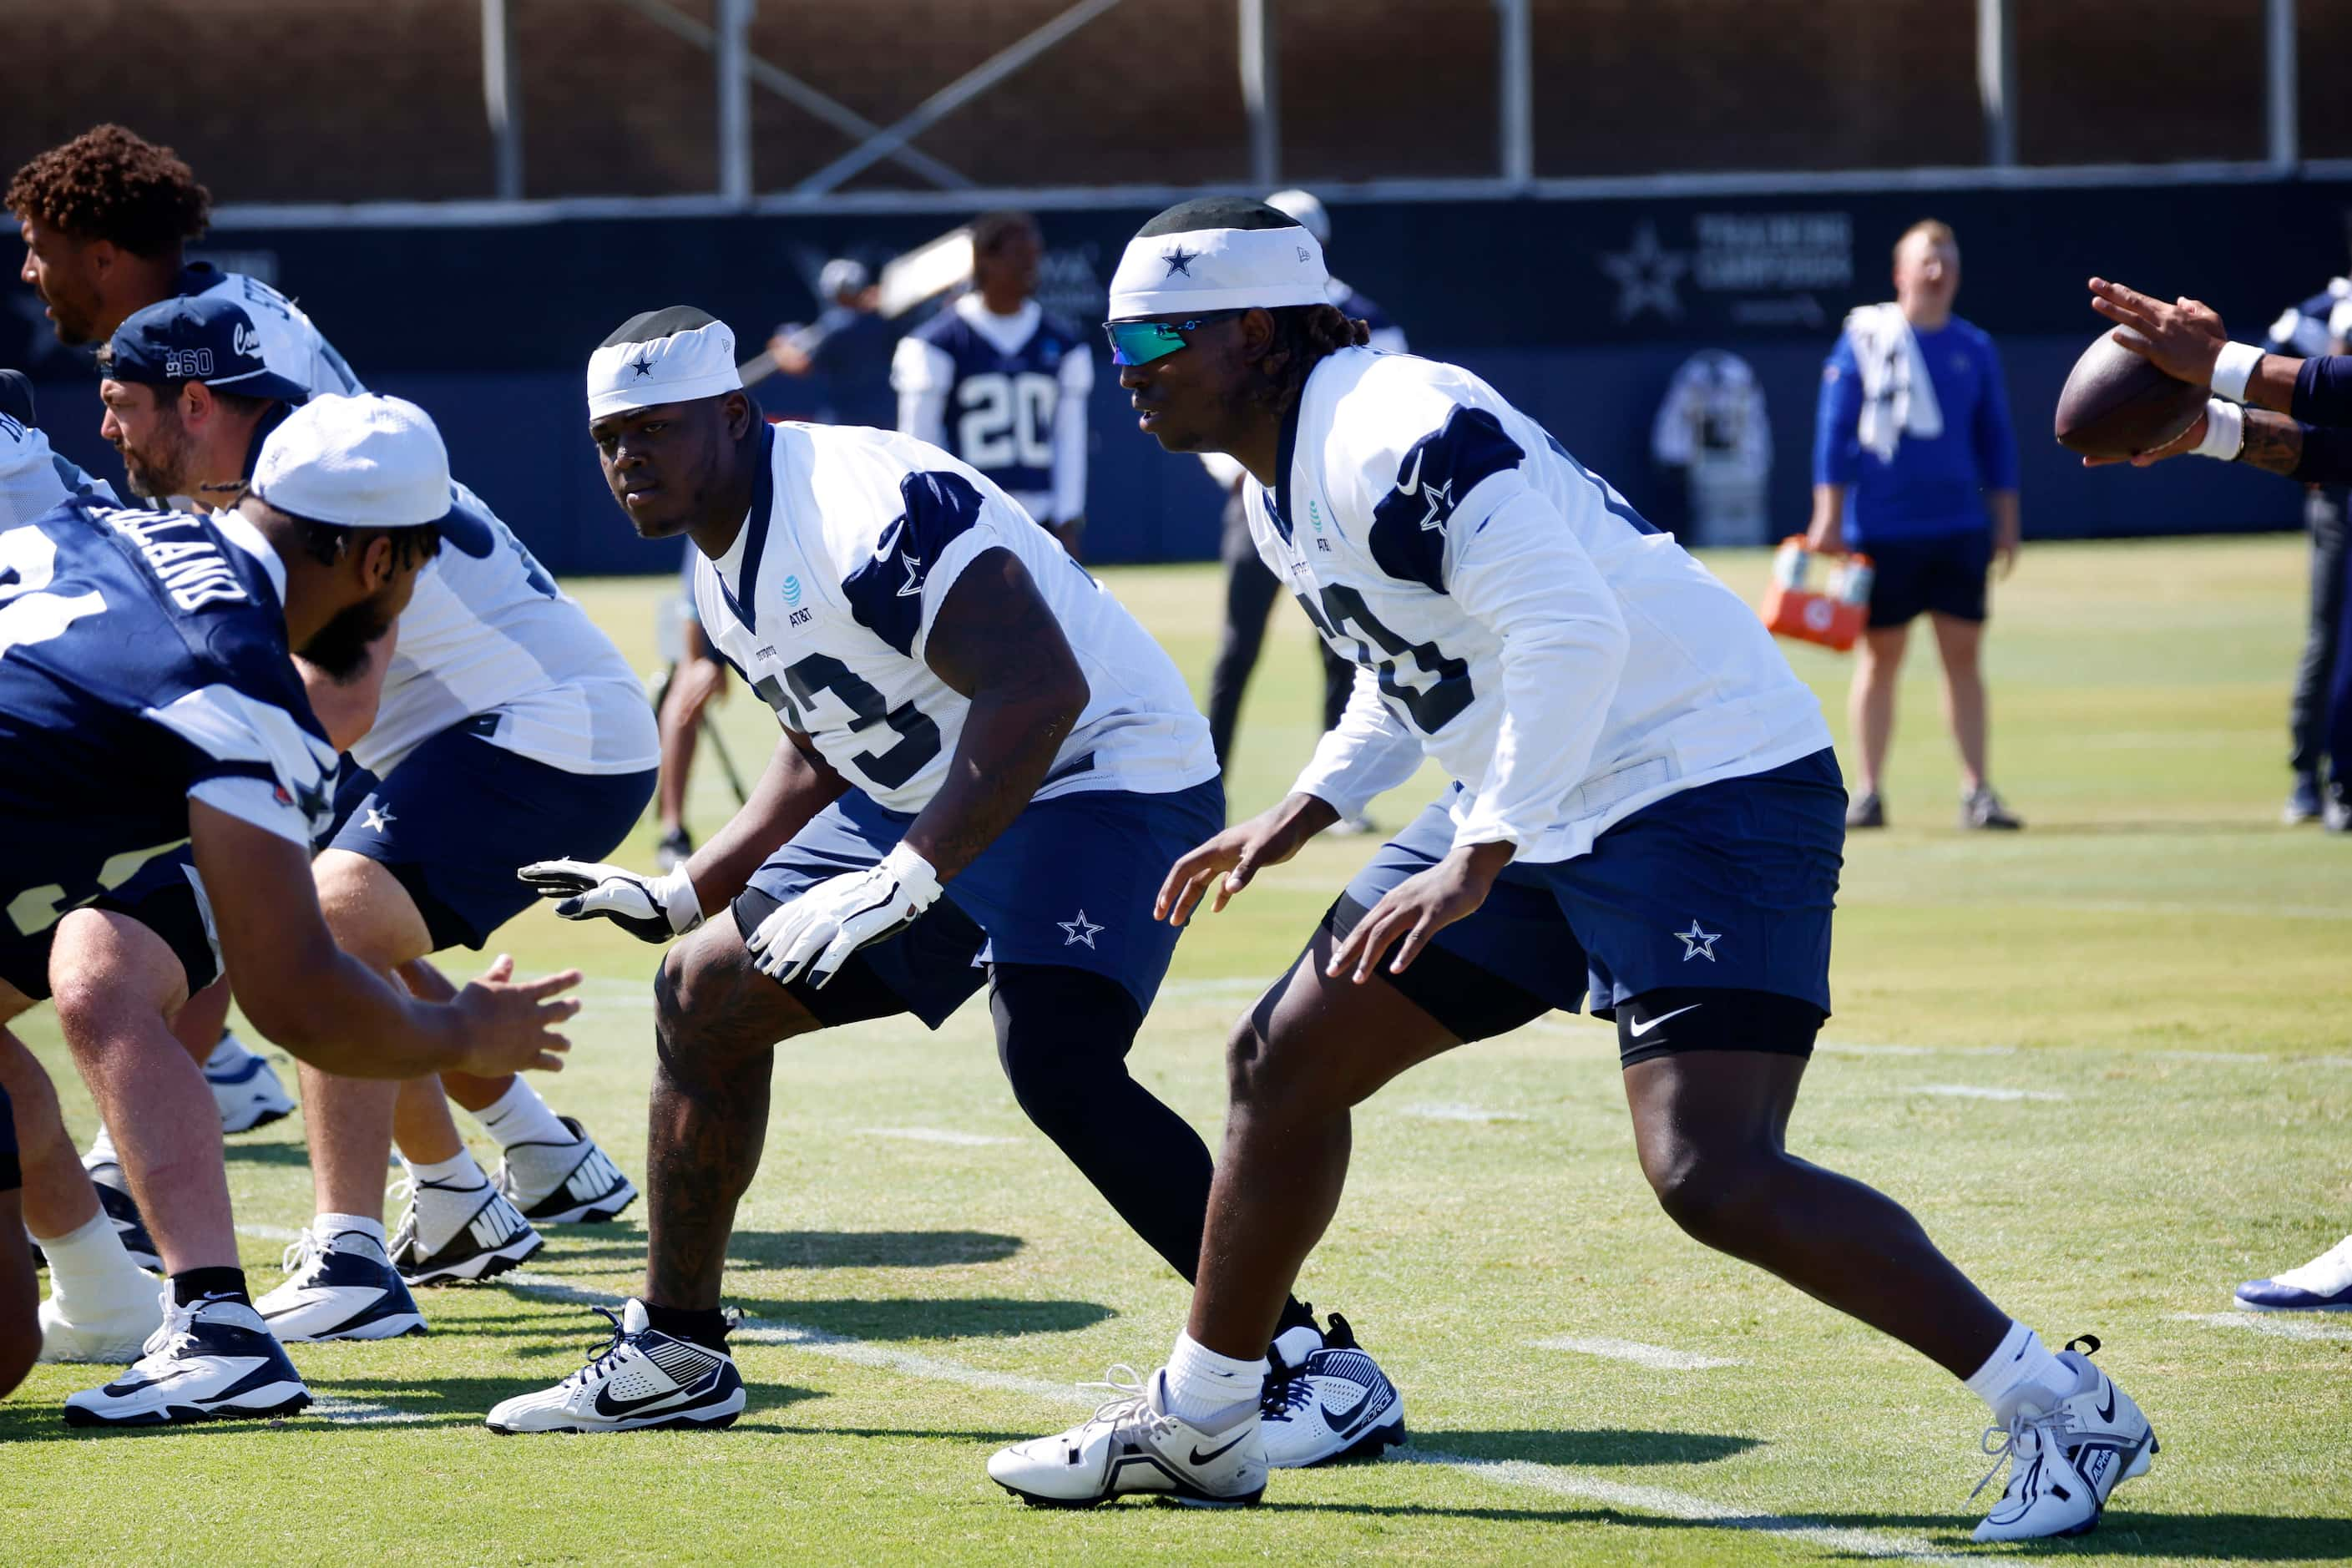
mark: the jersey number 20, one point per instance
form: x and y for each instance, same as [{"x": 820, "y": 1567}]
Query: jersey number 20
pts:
[{"x": 1006, "y": 421}]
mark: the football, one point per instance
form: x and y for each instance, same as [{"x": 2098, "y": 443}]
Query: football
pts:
[{"x": 2116, "y": 404}]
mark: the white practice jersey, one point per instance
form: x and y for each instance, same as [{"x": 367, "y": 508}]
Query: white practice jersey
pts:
[
  {"x": 33, "y": 477},
  {"x": 825, "y": 604},
  {"x": 1509, "y": 615},
  {"x": 489, "y": 637}
]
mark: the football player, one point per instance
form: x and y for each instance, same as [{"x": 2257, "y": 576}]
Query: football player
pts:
[
  {"x": 492, "y": 665},
  {"x": 1000, "y": 383},
  {"x": 985, "y": 760},
  {"x": 1643, "y": 804},
  {"x": 147, "y": 701}
]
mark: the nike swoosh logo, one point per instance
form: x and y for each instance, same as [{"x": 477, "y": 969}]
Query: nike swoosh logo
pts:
[
  {"x": 1339, "y": 1421},
  {"x": 1201, "y": 1458},
  {"x": 2108, "y": 1411},
  {"x": 1644, "y": 1027},
  {"x": 1411, "y": 484},
  {"x": 608, "y": 1405}
]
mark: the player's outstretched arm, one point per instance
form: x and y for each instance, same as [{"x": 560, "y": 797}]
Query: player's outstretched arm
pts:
[
  {"x": 1234, "y": 857},
  {"x": 330, "y": 1010}
]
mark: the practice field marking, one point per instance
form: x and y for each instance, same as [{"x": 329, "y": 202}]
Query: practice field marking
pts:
[
  {"x": 1977, "y": 1091},
  {"x": 934, "y": 1135},
  {"x": 1657, "y": 1357},
  {"x": 360, "y": 1413},
  {"x": 1454, "y": 1110},
  {"x": 276, "y": 1233},
  {"x": 2285, "y": 1325}
]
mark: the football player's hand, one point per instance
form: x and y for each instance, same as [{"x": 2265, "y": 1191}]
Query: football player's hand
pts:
[
  {"x": 1234, "y": 857},
  {"x": 816, "y": 933},
  {"x": 651, "y": 908},
  {"x": 510, "y": 1026},
  {"x": 1417, "y": 908},
  {"x": 2186, "y": 441},
  {"x": 2183, "y": 339}
]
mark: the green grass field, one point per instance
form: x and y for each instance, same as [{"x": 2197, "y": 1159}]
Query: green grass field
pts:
[{"x": 2104, "y": 1060}]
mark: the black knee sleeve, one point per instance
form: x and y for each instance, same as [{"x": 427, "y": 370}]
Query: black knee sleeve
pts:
[{"x": 1062, "y": 1035}]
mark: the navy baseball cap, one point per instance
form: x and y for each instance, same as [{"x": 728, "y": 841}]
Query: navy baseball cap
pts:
[{"x": 198, "y": 337}]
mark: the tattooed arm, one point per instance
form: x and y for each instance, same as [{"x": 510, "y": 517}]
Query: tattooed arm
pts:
[{"x": 995, "y": 641}]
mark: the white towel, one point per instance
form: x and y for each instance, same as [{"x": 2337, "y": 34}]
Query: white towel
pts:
[{"x": 1899, "y": 398}]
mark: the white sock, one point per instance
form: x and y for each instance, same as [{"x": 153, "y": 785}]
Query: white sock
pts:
[
  {"x": 228, "y": 1051},
  {"x": 91, "y": 1275},
  {"x": 326, "y": 1225},
  {"x": 459, "y": 1171},
  {"x": 101, "y": 1149},
  {"x": 2021, "y": 1372},
  {"x": 1298, "y": 1344},
  {"x": 520, "y": 1116},
  {"x": 1209, "y": 1391}
]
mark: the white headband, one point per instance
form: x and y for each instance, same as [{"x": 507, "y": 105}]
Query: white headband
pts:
[
  {"x": 1218, "y": 270},
  {"x": 679, "y": 368}
]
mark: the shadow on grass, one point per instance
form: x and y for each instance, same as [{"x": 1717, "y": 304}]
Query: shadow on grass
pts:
[
  {"x": 946, "y": 1317},
  {"x": 266, "y": 1154},
  {"x": 1606, "y": 1446},
  {"x": 812, "y": 1248}
]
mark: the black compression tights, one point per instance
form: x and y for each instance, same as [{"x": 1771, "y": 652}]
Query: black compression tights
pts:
[{"x": 1062, "y": 1036}]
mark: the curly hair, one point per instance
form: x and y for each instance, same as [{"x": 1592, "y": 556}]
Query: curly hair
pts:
[
  {"x": 110, "y": 183},
  {"x": 1304, "y": 336}
]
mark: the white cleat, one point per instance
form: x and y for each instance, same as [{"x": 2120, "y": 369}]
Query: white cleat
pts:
[
  {"x": 2322, "y": 1285},
  {"x": 1131, "y": 1446},
  {"x": 563, "y": 1184},
  {"x": 113, "y": 1339},
  {"x": 339, "y": 1287},
  {"x": 245, "y": 1086},
  {"x": 641, "y": 1378},
  {"x": 452, "y": 1234},
  {"x": 2065, "y": 1462},
  {"x": 211, "y": 1361},
  {"x": 1334, "y": 1403}
]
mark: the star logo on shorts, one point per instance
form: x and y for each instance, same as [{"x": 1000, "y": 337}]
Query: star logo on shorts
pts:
[
  {"x": 1180, "y": 259},
  {"x": 1441, "y": 501},
  {"x": 379, "y": 817},
  {"x": 1081, "y": 929},
  {"x": 643, "y": 364},
  {"x": 913, "y": 586},
  {"x": 1698, "y": 941}
]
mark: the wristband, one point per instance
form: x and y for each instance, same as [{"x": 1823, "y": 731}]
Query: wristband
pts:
[
  {"x": 2234, "y": 368},
  {"x": 2225, "y": 431},
  {"x": 678, "y": 900}
]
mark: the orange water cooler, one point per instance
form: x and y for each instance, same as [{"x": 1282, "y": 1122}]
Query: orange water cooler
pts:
[{"x": 1818, "y": 598}]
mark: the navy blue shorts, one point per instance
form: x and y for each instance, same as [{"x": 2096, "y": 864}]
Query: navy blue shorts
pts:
[
  {"x": 1943, "y": 573},
  {"x": 1071, "y": 882},
  {"x": 165, "y": 896},
  {"x": 1727, "y": 887},
  {"x": 459, "y": 814}
]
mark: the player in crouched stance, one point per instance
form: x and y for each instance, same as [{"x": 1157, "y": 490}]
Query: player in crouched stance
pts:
[
  {"x": 1646, "y": 804},
  {"x": 984, "y": 757}
]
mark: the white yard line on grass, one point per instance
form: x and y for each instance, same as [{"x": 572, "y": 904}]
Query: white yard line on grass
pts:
[
  {"x": 276, "y": 1233},
  {"x": 2285, "y": 1325},
  {"x": 360, "y": 1413},
  {"x": 1657, "y": 1357},
  {"x": 1977, "y": 1091},
  {"x": 933, "y": 1135}
]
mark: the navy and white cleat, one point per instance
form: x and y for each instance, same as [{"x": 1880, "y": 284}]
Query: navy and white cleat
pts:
[
  {"x": 563, "y": 1184},
  {"x": 245, "y": 1086},
  {"x": 2065, "y": 1461},
  {"x": 1131, "y": 1447},
  {"x": 339, "y": 1287},
  {"x": 641, "y": 1378},
  {"x": 122, "y": 1209},
  {"x": 2322, "y": 1285},
  {"x": 1335, "y": 1404},
  {"x": 491, "y": 1238},
  {"x": 211, "y": 1361}
]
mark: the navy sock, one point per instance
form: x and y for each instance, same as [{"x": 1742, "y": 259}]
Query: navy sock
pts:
[
  {"x": 707, "y": 1327},
  {"x": 209, "y": 1284}
]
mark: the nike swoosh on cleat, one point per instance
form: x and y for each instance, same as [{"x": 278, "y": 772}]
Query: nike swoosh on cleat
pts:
[
  {"x": 607, "y": 1405},
  {"x": 2108, "y": 1411},
  {"x": 1201, "y": 1458},
  {"x": 1646, "y": 1024}
]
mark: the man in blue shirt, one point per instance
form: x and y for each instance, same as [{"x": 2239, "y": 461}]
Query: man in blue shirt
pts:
[{"x": 1915, "y": 465}]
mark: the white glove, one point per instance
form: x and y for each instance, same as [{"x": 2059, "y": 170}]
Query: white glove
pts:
[
  {"x": 818, "y": 931},
  {"x": 651, "y": 908}
]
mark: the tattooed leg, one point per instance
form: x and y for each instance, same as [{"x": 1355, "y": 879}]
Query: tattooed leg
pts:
[{"x": 717, "y": 1022}]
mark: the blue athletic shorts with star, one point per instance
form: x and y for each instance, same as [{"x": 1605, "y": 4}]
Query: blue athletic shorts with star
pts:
[
  {"x": 457, "y": 816},
  {"x": 1071, "y": 882},
  {"x": 1726, "y": 887}
]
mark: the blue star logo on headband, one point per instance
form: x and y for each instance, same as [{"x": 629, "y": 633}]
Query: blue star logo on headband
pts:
[
  {"x": 1180, "y": 259},
  {"x": 643, "y": 364}
]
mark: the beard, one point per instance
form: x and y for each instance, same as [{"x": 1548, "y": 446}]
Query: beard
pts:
[
  {"x": 340, "y": 647},
  {"x": 162, "y": 470}
]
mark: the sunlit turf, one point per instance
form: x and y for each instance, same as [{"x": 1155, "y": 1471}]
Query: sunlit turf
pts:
[{"x": 2156, "y": 964}]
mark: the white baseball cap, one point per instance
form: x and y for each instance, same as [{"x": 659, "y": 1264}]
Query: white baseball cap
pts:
[
  {"x": 1309, "y": 210},
  {"x": 1218, "y": 253},
  {"x": 367, "y": 461}
]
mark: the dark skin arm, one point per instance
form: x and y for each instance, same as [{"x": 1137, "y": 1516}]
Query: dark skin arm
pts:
[
  {"x": 995, "y": 642},
  {"x": 795, "y": 786},
  {"x": 2273, "y": 442}
]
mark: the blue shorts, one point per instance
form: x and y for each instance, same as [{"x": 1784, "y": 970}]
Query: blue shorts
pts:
[
  {"x": 1071, "y": 883},
  {"x": 1943, "y": 573},
  {"x": 459, "y": 814},
  {"x": 165, "y": 896},
  {"x": 1728, "y": 886}
]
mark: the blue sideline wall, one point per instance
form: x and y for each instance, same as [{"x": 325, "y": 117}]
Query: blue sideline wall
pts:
[{"x": 1579, "y": 310}]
